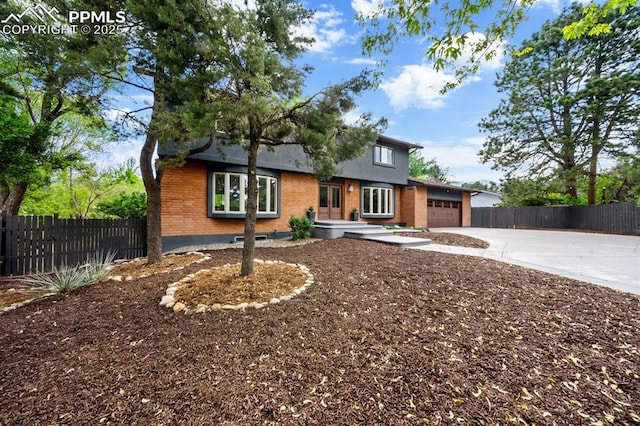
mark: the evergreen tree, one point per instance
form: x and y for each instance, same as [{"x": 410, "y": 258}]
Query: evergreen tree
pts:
[
  {"x": 263, "y": 104},
  {"x": 565, "y": 104}
]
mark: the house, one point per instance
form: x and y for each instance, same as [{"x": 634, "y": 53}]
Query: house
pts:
[
  {"x": 485, "y": 199},
  {"x": 203, "y": 201}
]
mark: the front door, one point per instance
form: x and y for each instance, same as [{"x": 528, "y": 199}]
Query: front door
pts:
[{"x": 330, "y": 203}]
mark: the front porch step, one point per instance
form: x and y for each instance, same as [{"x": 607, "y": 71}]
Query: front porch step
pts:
[
  {"x": 399, "y": 241},
  {"x": 341, "y": 223},
  {"x": 368, "y": 232},
  {"x": 331, "y": 229}
]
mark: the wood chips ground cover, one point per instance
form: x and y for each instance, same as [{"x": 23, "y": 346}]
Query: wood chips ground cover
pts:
[{"x": 384, "y": 336}]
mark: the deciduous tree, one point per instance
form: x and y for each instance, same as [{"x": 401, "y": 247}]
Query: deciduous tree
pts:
[
  {"x": 52, "y": 76},
  {"x": 447, "y": 26},
  {"x": 427, "y": 169}
]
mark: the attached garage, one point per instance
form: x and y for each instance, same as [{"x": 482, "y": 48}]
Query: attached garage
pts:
[
  {"x": 443, "y": 213},
  {"x": 447, "y": 205}
]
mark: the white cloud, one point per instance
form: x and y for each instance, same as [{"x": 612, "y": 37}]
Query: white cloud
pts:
[
  {"x": 554, "y": 5},
  {"x": 474, "y": 140},
  {"x": 325, "y": 29},
  {"x": 361, "y": 61},
  {"x": 461, "y": 158},
  {"x": 366, "y": 7},
  {"x": 418, "y": 86},
  {"x": 351, "y": 117},
  {"x": 474, "y": 40}
]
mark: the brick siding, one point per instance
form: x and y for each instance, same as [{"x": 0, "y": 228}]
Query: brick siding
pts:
[{"x": 185, "y": 198}]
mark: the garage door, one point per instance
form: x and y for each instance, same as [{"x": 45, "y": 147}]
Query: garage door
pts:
[{"x": 444, "y": 213}]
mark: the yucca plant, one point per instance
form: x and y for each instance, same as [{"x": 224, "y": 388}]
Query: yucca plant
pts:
[
  {"x": 97, "y": 268},
  {"x": 61, "y": 280},
  {"x": 66, "y": 279}
]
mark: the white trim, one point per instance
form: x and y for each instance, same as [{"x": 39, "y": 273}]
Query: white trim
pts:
[
  {"x": 383, "y": 209},
  {"x": 243, "y": 183}
]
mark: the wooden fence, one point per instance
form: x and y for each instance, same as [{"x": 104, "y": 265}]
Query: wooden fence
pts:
[
  {"x": 615, "y": 218},
  {"x": 31, "y": 244}
]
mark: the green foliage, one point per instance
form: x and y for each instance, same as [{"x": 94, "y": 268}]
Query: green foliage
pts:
[
  {"x": 78, "y": 191},
  {"x": 445, "y": 25},
  {"x": 448, "y": 25},
  {"x": 591, "y": 24},
  {"x": 67, "y": 279},
  {"x": 300, "y": 227},
  {"x": 260, "y": 99},
  {"x": 483, "y": 186},
  {"x": 427, "y": 169},
  {"x": 567, "y": 103},
  {"x": 49, "y": 77},
  {"x": 125, "y": 206}
]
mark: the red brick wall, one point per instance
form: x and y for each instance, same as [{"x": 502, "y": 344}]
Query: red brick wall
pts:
[
  {"x": 351, "y": 199},
  {"x": 413, "y": 207},
  {"x": 184, "y": 203},
  {"x": 466, "y": 209}
]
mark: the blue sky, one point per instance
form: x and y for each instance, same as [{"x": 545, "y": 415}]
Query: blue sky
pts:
[{"x": 409, "y": 98}]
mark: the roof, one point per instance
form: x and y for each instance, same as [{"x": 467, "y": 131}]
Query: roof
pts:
[
  {"x": 392, "y": 141},
  {"x": 424, "y": 182},
  {"x": 482, "y": 191}
]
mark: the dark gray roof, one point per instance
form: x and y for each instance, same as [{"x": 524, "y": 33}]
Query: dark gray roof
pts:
[{"x": 425, "y": 182}]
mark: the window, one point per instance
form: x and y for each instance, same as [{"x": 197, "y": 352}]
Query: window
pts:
[
  {"x": 377, "y": 201},
  {"x": 383, "y": 155},
  {"x": 230, "y": 193}
]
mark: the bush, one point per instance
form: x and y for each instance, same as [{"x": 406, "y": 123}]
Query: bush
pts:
[
  {"x": 125, "y": 206},
  {"x": 300, "y": 227},
  {"x": 66, "y": 279}
]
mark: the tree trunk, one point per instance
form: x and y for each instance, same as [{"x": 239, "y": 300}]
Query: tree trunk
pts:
[
  {"x": 14, "y": 199},
  {"x": 154, "y": 208},
  {"x": 248, "y": 249},
  {"x": 593, "y": 175},
  {"x": 596, "y": 140}
]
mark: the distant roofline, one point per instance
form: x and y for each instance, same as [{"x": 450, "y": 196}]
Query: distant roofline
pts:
[
  {"x": 425, "y": 182},
  {"x": 398, "y": 142},
  {"x": 479, "y": 191}
]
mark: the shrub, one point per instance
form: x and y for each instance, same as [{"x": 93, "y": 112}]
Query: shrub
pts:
[
  {"x": 61, "y": 280},
  {"x": 66, "y": 278},
  {"x": 300, "y": 227},
  {"x": 97, "y": 268}
]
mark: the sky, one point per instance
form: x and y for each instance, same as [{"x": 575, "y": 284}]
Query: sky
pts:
[{"x": 445, "y": 125}]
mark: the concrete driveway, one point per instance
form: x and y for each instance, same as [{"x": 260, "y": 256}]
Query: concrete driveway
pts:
[{"x": 603, "y": 259}]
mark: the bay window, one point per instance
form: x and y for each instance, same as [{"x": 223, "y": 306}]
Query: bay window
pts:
[
  {"x": 377, "y": 201},
  {"x": 229, "y": 194}
]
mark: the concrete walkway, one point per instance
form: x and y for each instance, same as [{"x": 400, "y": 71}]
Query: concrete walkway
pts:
[{"x": 603, "y": 259}]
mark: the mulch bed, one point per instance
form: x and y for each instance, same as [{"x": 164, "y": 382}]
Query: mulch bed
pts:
[
  {"x": 384, "y": 336},
  {"x": 449, "y": 239}
]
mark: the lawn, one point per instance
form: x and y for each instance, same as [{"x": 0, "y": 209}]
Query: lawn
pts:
[{"x": 384, "y": 336}]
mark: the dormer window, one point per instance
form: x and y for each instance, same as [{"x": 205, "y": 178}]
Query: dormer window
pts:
[{"x": 383, "y": 155}]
